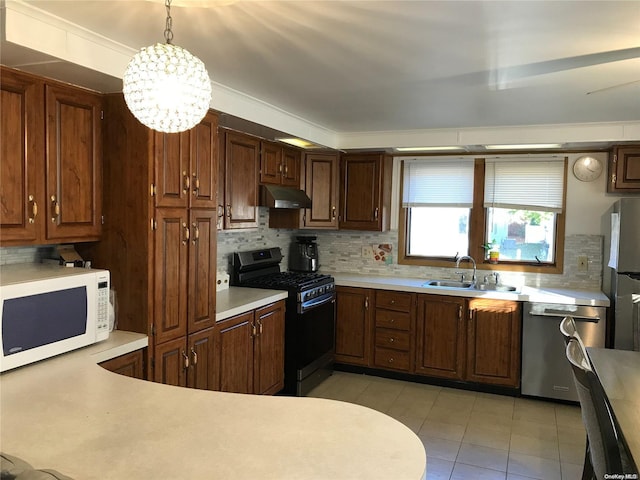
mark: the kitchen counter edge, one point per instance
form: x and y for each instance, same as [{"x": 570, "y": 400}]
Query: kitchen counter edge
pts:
[
  {"x": 237, "y": 300},
  {"x": 563, "y": 296}
]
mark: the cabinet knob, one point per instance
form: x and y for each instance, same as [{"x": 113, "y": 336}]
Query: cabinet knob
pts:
[
  {"x": 34, "y": 209},
  {"x": 391, "y": 360},
  {"x": 195, "y": 356},
  {"x": 187, "y": 182},
  {"x": 185, "y": 227},
  {"x": 186, "y": 359},
  {"x": 391, "y": 339},
  {"x": 196, "y": 184},
  {"x": 392, "y": 302},
  {"x": 392, "y": 320},
  {"x": 55, "y": 209}
]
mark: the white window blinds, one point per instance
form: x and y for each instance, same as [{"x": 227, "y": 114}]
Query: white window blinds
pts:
[
  {"x": 524, "y": 183},
  {"x": 437, "y": 182}
]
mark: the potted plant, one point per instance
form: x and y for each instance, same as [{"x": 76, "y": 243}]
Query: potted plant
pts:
[{"x": 493, "y": 251}]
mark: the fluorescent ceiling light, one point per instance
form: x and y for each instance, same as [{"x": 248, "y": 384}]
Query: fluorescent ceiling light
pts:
[
  {"x": 427, "y": 149},
  {"x": 523, "y": 146},
  {"x": 298, "y": 142}
]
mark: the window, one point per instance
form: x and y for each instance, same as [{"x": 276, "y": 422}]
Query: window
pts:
[
  {"x": 522, "y": 198},
  {"x": 458, "y": 206},
  {"x": 438, "y": 196}
]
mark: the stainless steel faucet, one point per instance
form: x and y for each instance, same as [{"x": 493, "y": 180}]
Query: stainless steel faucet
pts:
[{"x": 467, "y": 257}]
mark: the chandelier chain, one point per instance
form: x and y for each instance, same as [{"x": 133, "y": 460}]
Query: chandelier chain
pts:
[{"x": 168, "y": 33}]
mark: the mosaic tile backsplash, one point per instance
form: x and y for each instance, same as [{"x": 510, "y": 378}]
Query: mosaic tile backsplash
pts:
[{"x": 342, "y": 252}]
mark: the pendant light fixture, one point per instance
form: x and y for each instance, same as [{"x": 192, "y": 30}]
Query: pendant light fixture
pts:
[{"x": 166, "y": 87}]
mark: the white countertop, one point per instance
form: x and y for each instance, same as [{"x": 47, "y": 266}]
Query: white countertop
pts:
[
  {"x": 526, "y": 294},
  {"x": 236, "y": 300},
  {"x": 69, "y": 414}
]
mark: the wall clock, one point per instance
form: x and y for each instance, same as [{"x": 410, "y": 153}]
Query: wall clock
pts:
[{"x": 587, "y": 169}]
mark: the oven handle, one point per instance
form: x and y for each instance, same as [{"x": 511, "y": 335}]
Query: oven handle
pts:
[{"x": 316, "y": 303}]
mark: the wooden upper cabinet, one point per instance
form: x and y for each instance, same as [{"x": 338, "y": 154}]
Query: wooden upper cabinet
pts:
[
  {"x": 185, "y": 166},
  {"x": 204, "y": 171},
  {"x": 279, "y": 165},
  {"x": 321, "y": 185},
  {"x": 22, "y": 209},
  {"x": 441, "y": 343},
  {"x": 51, "y": 161},
  {"x": 74, "y": 164},
  {"x": 353, "y": 325},
  {"x": 494, "y": 346},
  {"x": 241, "y": 157},
  {"x": 365, "y": 191},
  {"x": 624, "y": 170},
  {"x": 270, "y": 163}
]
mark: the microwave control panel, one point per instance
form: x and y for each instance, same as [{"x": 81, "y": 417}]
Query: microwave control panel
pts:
[{"x": 102, "y": 327}]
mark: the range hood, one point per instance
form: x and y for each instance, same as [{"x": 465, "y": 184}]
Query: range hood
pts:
[{"x": 274, "y": 196}]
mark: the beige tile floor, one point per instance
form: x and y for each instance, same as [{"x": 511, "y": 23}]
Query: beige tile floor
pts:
[{"x": 473, "y": 435}]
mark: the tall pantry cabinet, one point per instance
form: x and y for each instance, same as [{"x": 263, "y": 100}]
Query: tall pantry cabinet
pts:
[{"x": 159, "y": 240}]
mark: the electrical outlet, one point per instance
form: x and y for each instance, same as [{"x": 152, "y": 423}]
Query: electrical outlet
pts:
[{"x": 583, "y": 263}]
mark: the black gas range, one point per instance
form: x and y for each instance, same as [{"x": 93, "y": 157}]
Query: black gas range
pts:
[{"x": 309, "y": 317}]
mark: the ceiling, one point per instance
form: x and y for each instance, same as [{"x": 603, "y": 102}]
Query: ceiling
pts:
[{"x": 364, "y": 66}]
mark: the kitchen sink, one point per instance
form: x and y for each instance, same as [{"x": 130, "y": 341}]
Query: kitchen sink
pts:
[
  {"x": 495, "y": 288},
  {"x": 447, "y": 284}
]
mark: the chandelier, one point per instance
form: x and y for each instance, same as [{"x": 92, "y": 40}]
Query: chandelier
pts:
[{"x": 166, "y": 87}]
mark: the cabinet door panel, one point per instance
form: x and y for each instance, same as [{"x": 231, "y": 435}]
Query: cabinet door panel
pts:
[
  {"x": 202, "y": 269},
  {"x": 291, "y": 167},
  {"x": 204, "y": 167},
  {"x": 202, "y": 372},
  {"x": 441, "y": 337},
  {"x": 241, "y": 181},
  {"x": 360, "y": 192},
  {"x": 268, "y": 353},
  {"x": 169, "y": 363},
  {"x": 494, "y": 342},
  {"x": 172, "y": 176},
  {"x": 321, "y": 184},
  {"x": 353, "y": 325},
  {"x": 624, "y": 170},
  {"x": 74, "y": 166},
  {"x": 236, "y": 354},
  {"x": 170, "y": 281},
  {"x": 21, "y": 158},
  {"x": 270, "y": 163},
  {"x": 129, "y": 365}
]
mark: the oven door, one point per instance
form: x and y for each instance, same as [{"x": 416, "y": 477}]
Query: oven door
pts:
[{"x": 309, "y": 345}]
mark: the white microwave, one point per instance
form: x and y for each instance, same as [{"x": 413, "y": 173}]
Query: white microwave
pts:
[{"x": 46, "y": 310}]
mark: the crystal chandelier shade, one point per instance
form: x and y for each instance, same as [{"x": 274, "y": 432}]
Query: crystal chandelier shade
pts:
[{"x": 167, "y": 88}]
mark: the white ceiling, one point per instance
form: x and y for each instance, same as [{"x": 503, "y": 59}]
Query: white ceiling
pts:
[{"x": 362, "y": 66}]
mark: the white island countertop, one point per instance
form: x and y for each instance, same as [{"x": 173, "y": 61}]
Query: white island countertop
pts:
[
  {"x": 564, "y": 296},
  {"x": 69, "y": 414}
]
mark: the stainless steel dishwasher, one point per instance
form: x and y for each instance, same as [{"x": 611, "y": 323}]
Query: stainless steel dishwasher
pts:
[{"x": 545, "y": 369}]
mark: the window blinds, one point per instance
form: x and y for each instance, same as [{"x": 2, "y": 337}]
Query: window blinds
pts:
[
  {"x": 437, "y": 182},
  {"x": 524, "y": 184}
]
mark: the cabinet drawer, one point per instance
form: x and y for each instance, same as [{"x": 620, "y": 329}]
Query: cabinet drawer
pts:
[
  {"x": 385, "y": 358},
  {"x": 394, "y": 300},
  {"x": 393, "y": 319},
  {"x": 394, "y": 339}
]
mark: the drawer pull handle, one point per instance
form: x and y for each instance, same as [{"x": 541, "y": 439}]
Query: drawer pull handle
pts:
[
  {"x": 195, "y": 356},
  {"x": 392, "y": 302},
  {"x": 391, "y": 340},
  {"x": 391, "y": 360},
  {"x": 392, "y": 320},
  {"x": 186, "y": 182}
]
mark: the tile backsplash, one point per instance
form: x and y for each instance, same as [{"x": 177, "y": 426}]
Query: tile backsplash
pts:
[{"x": 342, "y": 252}]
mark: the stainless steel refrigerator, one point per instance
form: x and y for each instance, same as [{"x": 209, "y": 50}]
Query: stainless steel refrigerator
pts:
[{"x": 621, "y": 279}]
